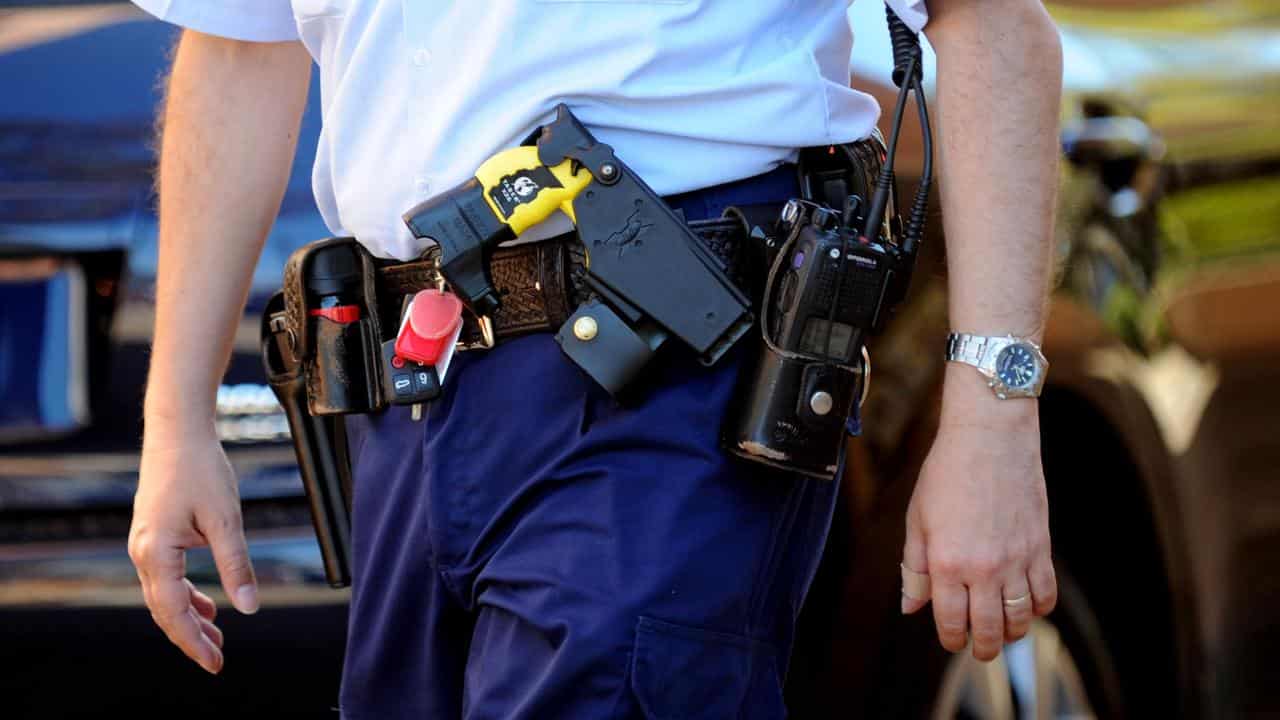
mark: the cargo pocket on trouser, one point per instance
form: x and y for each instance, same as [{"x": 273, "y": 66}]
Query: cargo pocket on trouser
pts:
[{"x": 685, "y": 673}]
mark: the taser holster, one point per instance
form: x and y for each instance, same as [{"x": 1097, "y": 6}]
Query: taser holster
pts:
[{"x": 651, "y": 279}]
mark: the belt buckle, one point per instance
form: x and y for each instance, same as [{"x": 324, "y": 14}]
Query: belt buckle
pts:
[{"x": 486, "y": 341}]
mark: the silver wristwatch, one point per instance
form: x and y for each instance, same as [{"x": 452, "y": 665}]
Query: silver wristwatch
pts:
[{"x": 1014, "y": 367}]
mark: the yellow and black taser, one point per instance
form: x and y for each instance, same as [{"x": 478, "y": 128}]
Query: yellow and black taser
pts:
[{"x": 652, "y": 275}]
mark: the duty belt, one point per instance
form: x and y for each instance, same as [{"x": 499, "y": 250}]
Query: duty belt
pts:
[{"x": 540, "y": 283}]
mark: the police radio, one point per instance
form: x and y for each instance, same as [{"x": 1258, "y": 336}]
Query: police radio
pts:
[
  {"x": 832, "y": 288},
  {"x": 845, "y": 263}
]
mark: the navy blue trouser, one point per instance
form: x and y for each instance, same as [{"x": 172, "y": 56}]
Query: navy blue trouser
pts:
[{"x": 531, "y": 549}]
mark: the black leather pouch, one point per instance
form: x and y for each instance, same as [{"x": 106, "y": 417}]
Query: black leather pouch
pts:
[
  {"x": 606, "y": 347},
  {"x": 339, "y": 341}
]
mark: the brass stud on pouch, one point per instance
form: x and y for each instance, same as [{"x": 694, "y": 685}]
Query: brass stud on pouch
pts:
[{"x": 585, "y": 328}]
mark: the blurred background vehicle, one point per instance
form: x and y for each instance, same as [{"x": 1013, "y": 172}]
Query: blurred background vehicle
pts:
[{"x": 1161, "y": 437}]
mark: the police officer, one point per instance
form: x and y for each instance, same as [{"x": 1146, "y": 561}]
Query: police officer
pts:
[{"x": 529, "y": 548}]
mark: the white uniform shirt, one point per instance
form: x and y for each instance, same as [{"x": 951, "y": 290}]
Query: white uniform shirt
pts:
[{"x": 416, "y": 94}]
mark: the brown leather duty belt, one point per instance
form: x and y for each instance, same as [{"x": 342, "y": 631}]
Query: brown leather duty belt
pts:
[{"x": 540, "y": 283}]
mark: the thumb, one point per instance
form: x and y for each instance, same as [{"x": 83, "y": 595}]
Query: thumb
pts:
[
  {"x": 231, "y": 555},
  {"x": 915, "y": 570}
]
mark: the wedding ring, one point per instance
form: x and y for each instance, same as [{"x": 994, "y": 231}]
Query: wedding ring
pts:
[
  {"x": 1015, "y": 602},
  {"x": 915, "y": 585}
]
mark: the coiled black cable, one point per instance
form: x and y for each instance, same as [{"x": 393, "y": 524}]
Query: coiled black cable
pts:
[
  {"x": 908, "y": 75},
  {"x": 913, "y": 232},
  {"x": 906, "y": 45},
  {"x": 874, "y": 218}
]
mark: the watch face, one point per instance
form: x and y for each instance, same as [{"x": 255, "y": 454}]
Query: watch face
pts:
[{"x": 1016, "y": 366}]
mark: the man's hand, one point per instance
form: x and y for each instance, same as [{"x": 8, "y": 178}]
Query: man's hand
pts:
[
  {"x": 978, "y": 522},
  {"x": 187, "y": 498}
]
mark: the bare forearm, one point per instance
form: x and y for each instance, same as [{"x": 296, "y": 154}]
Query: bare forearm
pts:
[
  {"x": 230, "y": 127},
  {"x": 999, "y": 90}
]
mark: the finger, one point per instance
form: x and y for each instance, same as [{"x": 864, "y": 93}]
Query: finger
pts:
[
  {"x": 1017, "y": 615},
  {"x": 231, "y": 555},
  {"x": 1044, "y": 585},
  {"x": 915, "y": 571},
  {"x": 986, "y": 621},
  {"x": 172, "y": 610},
  {"x": 204, "y": 605},
  {"x": 161, "y": 567},
  {"x": 211, "y": 642},
  {"x": 951, "y": 614},
  {"x": 212, "y": 632}
]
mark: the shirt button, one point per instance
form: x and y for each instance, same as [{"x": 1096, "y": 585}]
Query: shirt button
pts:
[
  {"x": 421, "y": 57},
  {"x": 422, "y": 185}
]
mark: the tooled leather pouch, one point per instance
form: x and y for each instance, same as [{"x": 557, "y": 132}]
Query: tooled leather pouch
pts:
[{"x": 332, "y": 308}]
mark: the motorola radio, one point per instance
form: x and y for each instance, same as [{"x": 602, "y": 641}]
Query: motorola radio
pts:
[{"x": 845, "y": 264}]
